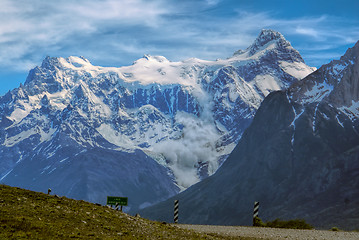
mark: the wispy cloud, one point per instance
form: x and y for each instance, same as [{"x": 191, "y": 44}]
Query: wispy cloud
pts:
[
  {"x": 113, "y": 32},
  {"x": 126, "y": 11},
  {"x": 213, "y": 2},
  {"x": 307, "y": 31},
  {"x": 37, "y": 28}
]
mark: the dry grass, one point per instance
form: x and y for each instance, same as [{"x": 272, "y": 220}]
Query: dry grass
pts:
[{"x": 32, "y": 215}]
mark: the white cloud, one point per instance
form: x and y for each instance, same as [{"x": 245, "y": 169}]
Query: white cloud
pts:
[
  {"x": 39, "y": 28},
  {"x": 197, "y": 145},
  {"x": 307, "y": 31},
  {"x": 213, "y": 2},
  {"x": 130, "y": 11}
]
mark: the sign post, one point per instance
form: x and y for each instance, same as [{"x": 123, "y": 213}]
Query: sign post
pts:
[{"x": 117, "y": 201}]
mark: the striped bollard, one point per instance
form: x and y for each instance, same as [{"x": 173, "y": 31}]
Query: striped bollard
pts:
[
  {"x": 255, "y": 211},
  {"x": 176, "y": 211},
  {"x": 118, "y": 206}
]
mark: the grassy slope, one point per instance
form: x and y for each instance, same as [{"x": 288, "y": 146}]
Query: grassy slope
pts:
[{"x": 33, "y": 215}]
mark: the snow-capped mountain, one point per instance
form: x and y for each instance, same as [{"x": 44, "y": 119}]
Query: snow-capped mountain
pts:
[
  {"x": 178, "y": 120},
  {"x": 299, "y": 158}
]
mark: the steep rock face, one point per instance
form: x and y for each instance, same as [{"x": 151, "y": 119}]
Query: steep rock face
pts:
[
  {"x": 187, "y": 116},
  {"x": 299, "y": 158}
]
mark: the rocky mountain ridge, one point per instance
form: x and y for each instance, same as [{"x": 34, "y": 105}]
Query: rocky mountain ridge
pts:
[
  {"x": 180, "y": 120},
  {"x": 298, "y": 158}
]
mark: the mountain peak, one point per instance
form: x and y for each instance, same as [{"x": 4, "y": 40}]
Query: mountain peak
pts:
[
  {"x": 49, "y": 61},
  {"x": 148, "y": 59},
  {"x": 266, "y": 36},
  {"x": 270, "y": 41},
  {"x": 155, "y": 58},
  {"x": 70, "y": 62},
  {"x": 351, "y": 54}
]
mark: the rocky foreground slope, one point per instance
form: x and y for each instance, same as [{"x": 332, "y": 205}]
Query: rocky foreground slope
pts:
[{"x": 32, "y": 215}]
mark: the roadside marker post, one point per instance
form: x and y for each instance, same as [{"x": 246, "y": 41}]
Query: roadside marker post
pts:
[
  {"x": 176, "y": 211},
  {"x": 255, "y": 211}
]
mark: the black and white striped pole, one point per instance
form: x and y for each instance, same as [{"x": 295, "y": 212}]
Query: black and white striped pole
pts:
[
  {"x": 116, "y": 206},
  {"x": 255, "y": 211},
  {"x": 176, "y": 211}
]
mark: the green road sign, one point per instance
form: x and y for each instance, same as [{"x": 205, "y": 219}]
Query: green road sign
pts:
[{"x": 122, "y": 201}]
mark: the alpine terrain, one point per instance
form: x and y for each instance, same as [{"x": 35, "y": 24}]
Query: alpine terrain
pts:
[
  {"x": 299, "y": 158},
  {"x": 145, "y": 131}
]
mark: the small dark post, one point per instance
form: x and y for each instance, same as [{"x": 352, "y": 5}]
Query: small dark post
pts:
[
  {"x": 48, "y": 191},
  {"x": 118, "y": 205},
  {"x": 255, "y": 211},
  {"x": 176, "y": 211}
]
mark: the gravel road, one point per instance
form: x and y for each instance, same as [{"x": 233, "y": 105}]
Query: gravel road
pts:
[{"x": 272, "y": 233}]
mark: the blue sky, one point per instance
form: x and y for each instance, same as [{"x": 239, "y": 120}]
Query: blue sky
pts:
[{"x": 117, "y": 32}]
